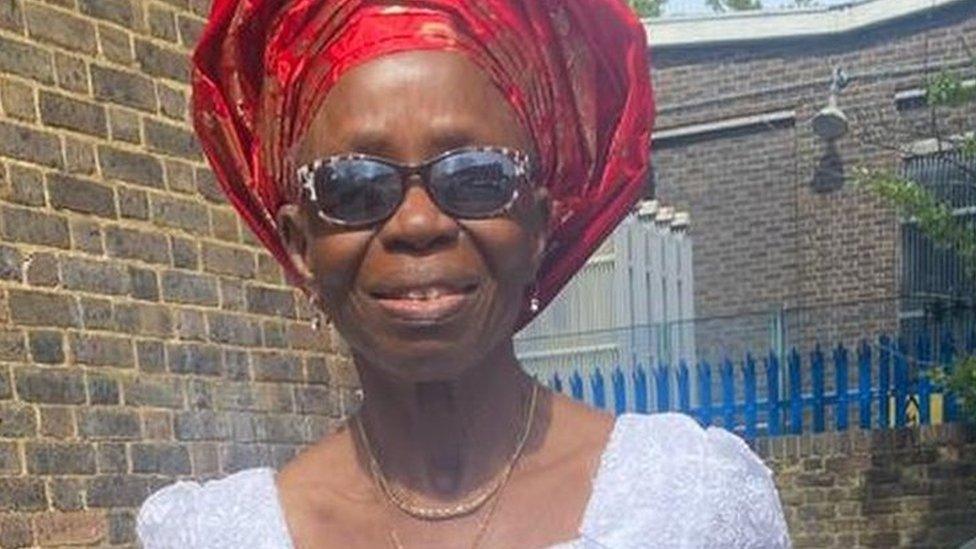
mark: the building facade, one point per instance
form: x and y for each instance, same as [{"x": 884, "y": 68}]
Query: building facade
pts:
[{"x": 787, "y": 251}]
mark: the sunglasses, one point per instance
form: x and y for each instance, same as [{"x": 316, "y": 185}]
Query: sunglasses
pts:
[{"x": 356, "y": 190}]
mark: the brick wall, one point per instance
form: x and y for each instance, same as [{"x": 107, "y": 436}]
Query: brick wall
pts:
[
  {"x": 144, "y": 333},
  {"x": 772, "y": 228},
  {"x": 911, "y": 487}
]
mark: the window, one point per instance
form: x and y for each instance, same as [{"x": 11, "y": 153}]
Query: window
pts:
[{"x": 935, "y": 286}]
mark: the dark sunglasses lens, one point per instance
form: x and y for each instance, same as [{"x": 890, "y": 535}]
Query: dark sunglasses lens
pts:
[
  {"x": 474, "y": 183},
  {"x": 358, "y": 191}
]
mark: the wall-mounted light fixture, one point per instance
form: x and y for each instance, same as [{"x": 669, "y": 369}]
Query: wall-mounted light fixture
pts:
[{"x": 831, "y": 122}]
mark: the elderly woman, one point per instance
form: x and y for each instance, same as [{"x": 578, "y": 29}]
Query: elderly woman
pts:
[{"x": 430, "y": 173}]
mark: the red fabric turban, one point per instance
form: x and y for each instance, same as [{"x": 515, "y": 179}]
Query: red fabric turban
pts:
[{"x": 575, "y": 71}]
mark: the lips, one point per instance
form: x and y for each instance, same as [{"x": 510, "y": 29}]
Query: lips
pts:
[{"x": 424, "y": 303}]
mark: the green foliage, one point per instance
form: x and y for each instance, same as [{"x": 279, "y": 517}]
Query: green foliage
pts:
[
  {"x": 961, "y": 380},
  {"x": 968, "y": 145},
  {"x": 647, "y": 8},
  {"x": 911, "y": 200},
  {"x": 948, "y": 90},
  {"x": 934, "y": 217}
]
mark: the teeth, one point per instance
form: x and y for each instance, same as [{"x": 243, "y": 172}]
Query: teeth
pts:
[{"x": 425, "y": 294}]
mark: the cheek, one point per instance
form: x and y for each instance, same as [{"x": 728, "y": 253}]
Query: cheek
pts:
[
  {"x": 334, "y": 261},
  {"x": 507, "y": 248}
]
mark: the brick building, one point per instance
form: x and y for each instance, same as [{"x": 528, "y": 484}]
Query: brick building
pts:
[{"x": 786, "y": 251}]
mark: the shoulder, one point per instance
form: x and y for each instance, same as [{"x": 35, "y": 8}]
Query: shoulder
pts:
[
  {"x": 236, "y": 511},
  {"x": 648, "y": 450},
  {"x": 668, "y": 433},
  {"x": 666, "y": 473},
  {"x": 677, "y": 439},
  {"x": 746, "y": 507}
]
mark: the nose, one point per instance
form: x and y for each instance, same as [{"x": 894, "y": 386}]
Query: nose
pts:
[{"x": 418, "y": 225}]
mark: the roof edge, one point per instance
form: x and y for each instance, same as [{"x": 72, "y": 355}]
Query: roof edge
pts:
[{"x": 793, "y": 24}]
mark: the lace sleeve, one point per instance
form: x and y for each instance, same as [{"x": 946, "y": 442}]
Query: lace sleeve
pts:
[
  {"x": 748, "y": 512},
  {"x": 238, "y": 511},
  {"x": 163, "y": 518}
]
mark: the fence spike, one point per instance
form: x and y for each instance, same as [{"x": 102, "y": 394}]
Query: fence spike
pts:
[
  {"x": 599, "y": 390},
  {"x": 884, "y": 381},
  {"x": 817, "y": 372},
  {"x": 749, "y": 373},
  {"x": 772, "y": 390},
  {"x": 923, "y": 356},
  {"x": 901, "y": 382},
  {"x": 663, "y": 386},
  {"x": 728, "y": 395},
  {"x": 840, "y": 384},
  {"x": 796, "y": 393},
  {"x": 619, "y": 391},
  {"x": 864, "y": 384},
  {"x": 705, "y": 392},
  {"x": 684, "y": 391},
  {"x": 640, "y": 390},
  {"x": 576, "y": 385}
]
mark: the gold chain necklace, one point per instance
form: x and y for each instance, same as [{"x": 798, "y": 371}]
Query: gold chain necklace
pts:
[
  {"x": 482, "y": 526},
  {"x": 464, "y": 508}
]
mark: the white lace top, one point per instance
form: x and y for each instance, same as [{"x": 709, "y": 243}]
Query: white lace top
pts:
[{"x": 663, "y": 481}]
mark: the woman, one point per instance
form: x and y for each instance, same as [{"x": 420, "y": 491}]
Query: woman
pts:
[{"x": 430, "y": 173}]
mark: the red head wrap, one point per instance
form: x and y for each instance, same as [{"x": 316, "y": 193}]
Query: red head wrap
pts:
[{"x": 575, "y": 72}]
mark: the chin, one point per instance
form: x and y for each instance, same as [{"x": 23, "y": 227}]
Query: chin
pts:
[
  {"x": 426, "y": 355},
  {"x": 424, "y": 360}
]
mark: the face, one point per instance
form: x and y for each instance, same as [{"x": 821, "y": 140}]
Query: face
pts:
[{"x": 421, "y": 295}]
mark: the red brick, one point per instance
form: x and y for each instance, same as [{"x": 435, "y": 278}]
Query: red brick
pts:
[{"x": 80, "y": 528}]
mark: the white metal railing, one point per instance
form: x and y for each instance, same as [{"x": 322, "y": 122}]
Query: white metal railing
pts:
[{"x": 629, "y": 304}]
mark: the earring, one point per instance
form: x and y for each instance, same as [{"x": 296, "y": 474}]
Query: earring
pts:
[
  {"x": 534, "y": 303},
  {"x": 318, "y": 319}
]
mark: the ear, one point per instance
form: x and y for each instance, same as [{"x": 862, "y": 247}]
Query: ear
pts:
[
  {"x": 542, "y": 211},
  {"x": 294, "y": 230}
]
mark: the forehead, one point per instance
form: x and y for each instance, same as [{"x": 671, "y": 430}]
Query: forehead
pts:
[{"x": 412, "y": 105}]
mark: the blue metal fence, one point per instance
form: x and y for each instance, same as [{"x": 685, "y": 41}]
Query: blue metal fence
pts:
[{"x": 890, "y": 389}]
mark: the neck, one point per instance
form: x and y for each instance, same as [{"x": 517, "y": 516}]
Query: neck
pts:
[{"x": 445, "y": 439}]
